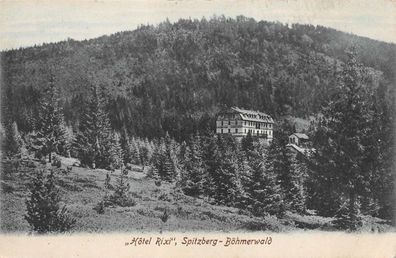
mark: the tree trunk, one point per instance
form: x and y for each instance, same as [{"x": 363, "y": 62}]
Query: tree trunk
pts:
[{"x": 49, "y": 158}]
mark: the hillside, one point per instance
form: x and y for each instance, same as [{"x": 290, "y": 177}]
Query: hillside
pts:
[
  {"x": 175, "y": 77},
  {"x": 82, "y": 189}
]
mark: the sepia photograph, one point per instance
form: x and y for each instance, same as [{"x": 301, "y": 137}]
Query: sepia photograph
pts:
[{"x": 235, "y": 119}]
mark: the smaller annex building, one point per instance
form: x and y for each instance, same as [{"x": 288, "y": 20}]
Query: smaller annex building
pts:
[
  {"x": 300, "y": 143},
  {"x": 239, "y": 122}
]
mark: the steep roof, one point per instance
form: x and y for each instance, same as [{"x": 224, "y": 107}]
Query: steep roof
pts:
[
  {"x": 304, "y": 151},
  {"x": 251, "y": 115},
  {"x": 301, "y": 136}
]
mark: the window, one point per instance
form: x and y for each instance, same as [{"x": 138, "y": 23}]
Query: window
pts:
[
  {"x": 221, "y": 130},
  {"x": 221, "y": 123},
  {"x": 236, "y": 130},
  {"x": 229, "y": 130},
  {"x": 229, "y": 122}
]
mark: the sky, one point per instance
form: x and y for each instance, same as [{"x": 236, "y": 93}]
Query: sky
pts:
[{"x": 26, "y": 23}]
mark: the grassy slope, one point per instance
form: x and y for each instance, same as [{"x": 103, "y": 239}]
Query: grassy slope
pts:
[{"x": 83, "y": 188}]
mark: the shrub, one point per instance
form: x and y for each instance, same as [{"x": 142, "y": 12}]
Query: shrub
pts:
[
  {"x": 44, "y": 212},
  {"x": 120, "y": 196},
  {"x": 100, "y": 207}
]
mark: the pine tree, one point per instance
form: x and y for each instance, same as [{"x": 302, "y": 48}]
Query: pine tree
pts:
[
  {"x": 169, "y": 160},
  {"x": 120, "y": 196},
  {"x": 95, "y": 141},
  {"x": 115, "y": 151},
  {"x": 299, "y": 177},
  {"x": 135, "y": 151},
  {"x": 247, "y": 143},
  {"x": 125, "y": 146},
  {"x": 343, "y": 130},
  {"x": 165, "y": 160},
  {"x": 211, "y": 161},
  {"x": 193, "y": 169},
  {"x": 157, "y": 159},
  {"x": 51, "y": 135},
  {"x": 265, "y": 194},
  {"x": 44, "y": 213},
  {"x": 245, "y": 173},
  {"x": 146, "y": 152},
  {"x": 226, "y": 177},
  {"x": 279, "y": 163},
  {"x": 378, "y": 160},
  {"x": 12, "y": 141}
]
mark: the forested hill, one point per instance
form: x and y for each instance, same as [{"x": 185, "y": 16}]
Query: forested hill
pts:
[{"x": 176, "y": 77}]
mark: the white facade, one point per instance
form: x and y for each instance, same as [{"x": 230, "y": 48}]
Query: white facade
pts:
[{"x": 238, "y": 122}]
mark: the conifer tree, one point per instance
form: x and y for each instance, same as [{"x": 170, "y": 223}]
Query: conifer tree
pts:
[
  {"x": 265, "y": 194},
  {"x": 157, "y": 159},
  {"x": 125, "y": 146},
  {"x": 164, "y": 159},
  {"x": 245, "y": 174},
  {"x": 226, "y": 177},
  {"x": 146, "y": 152},
  {"x": 193, "y": 168},
  {"x": 115, "y": 151},
  {"x": 343, "y": 130},
  {"x": 378, "y": 161},
  {"x": 135, "y": 151},
  {"x": 279, "y": 163},
  {"x": 12, "y": 140},
  {"x": 44, "y": 213},
  {"x": 51, "y": 134},
  {"x": 211, "y": 161},
  {"x": 95, "y": 141},
  {"x": 170, "y": 172},
  {"x": 299, "y": 176},
  {"x": 247, "y": 143}
]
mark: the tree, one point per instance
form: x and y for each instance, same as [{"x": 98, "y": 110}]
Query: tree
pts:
[
  {"x": 125, "y": 146},
  {"x": 120, "y": 196},
  {"x": 165, "y": 160},
  {"x": 265, "y": 194},
  {"x": 95, "y": 142},
  {"x": 115, "y": 151},
  {"x": 247, "y": 143},
  {"x": 135, "y": 151},
  {"x": 51, "y": 135},
  {"x": 12, "y": 141},
  {"x": 299, "y": 176},
  {"x": 343, "y": 130},
  {"x": 226, "y": 178},
  {"x": 280, "y": 162},
  {"x": 193, "y": 169},
  {"x": 211, "y": 162},
  {"x": 44, "y": 212}
]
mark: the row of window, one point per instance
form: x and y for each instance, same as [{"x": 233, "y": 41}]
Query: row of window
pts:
[
  {"x": 255, "y": 116},
  {"x": 247, "y": 131},
  {"x": 249, "y": 123}
]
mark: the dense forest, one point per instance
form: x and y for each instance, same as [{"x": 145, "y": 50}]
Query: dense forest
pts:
[
  {"x": 175, "y": 77},
  {"x": 150, "y": 97}
]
